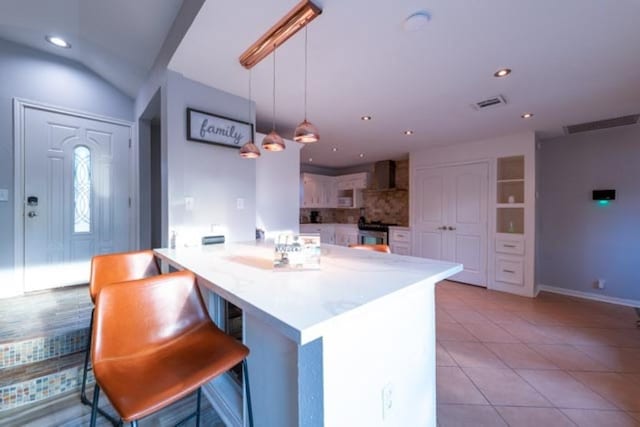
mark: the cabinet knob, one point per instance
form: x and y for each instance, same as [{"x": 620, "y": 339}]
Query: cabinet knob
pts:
[
  {"x": 444, "y": 227},
  {"x": 450, "y": 228}
]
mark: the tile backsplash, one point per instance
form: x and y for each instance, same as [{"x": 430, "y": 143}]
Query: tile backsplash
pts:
[{"x": 389, "y": 206}]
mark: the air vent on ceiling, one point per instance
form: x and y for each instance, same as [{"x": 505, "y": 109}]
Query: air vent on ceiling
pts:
[
  {"x": 602, "y": 124},
  {"x": 496, "y": 101}
]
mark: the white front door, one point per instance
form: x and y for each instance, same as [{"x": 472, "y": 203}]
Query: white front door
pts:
[
  {"x": 451, "y": 218},
  {"x": 76, "y": 195}
]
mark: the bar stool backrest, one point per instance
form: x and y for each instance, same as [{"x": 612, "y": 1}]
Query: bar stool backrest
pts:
[{"x": 121, "y": 267}]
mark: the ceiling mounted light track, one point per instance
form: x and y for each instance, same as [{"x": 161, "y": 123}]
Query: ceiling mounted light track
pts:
[{"x": 303, "y": 13}]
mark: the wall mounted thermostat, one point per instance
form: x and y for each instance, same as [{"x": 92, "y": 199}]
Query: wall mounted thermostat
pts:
[{"x": 601, "y": 195}]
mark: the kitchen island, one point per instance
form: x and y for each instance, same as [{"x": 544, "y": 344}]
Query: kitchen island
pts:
[{"x": 352, "y": 344}]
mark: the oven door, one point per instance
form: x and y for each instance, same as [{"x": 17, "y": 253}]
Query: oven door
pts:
[{"x": 372, "y": 237}]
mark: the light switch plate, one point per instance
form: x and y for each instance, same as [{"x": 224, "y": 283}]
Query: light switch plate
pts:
[{"x": 4, "y": 195}]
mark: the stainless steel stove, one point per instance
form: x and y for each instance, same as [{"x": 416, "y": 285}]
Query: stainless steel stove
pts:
[{"x": 373, "y": 233}]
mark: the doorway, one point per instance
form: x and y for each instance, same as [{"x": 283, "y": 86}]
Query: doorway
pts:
[
  {"x": 73, "y": 178},
  {"x": 451, "y": 218}
]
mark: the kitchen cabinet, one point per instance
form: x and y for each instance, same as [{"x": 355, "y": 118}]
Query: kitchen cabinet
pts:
[
  {"x": 400, "y": 240},
  {"x": 326, "y": 231},
  {"x": 318, "y": 191},
  {"x": 346, "y": 234},
  {"x": 354, "y": 181}
]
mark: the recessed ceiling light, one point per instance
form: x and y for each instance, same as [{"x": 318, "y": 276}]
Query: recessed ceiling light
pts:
[
  {"x": 502, "y": 72},
  {"x": 58, "y": 41},
  {"x": 334, "y": 149},
  {"x": 408, "y": 132},
  {"x": 416, "y": 21},
  {"x": 361, "y": 155},
  {"x": 365, "y": 118},
  {"x": 527, "y": 115}
]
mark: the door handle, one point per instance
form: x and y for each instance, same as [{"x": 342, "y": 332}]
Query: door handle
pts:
[
  {"x": 451, "y": 228},
  {"x": 442, "y": 228},
  {"x": 32, "y": 214}
]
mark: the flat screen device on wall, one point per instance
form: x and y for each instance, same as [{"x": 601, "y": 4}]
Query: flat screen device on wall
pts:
[{"x": 600, "y": 195}]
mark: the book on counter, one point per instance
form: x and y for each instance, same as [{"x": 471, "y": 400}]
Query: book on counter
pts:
[{"x": 297, "y": 252}]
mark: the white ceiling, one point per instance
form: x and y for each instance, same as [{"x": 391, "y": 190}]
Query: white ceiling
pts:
[
  {"x": 117, "y": 39},
  {"x": 573, "y": 61}
]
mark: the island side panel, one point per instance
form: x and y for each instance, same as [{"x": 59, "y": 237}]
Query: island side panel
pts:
[
  {"x": 379, "y": 363},
  {"x": 285, "y": 379}
]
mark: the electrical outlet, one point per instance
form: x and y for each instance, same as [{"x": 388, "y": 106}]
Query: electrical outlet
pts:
[
  {"x": 600, "y": 283},
  {"x": 4, "y": 195},
  {"x": 387, "y": 400},
  {"x": 240, "y": 204}
]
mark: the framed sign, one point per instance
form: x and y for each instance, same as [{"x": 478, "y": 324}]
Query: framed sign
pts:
[{"x": 213, "y": 129}]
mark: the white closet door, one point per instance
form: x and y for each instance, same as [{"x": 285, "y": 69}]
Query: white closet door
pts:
[{"x": 450, "y": 218}]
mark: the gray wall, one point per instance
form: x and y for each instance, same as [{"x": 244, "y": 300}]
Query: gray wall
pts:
[
  {"x": 214, "y": 176},
  {"x": 38, "y": 76},
  {"x": 579, "y": 240}
]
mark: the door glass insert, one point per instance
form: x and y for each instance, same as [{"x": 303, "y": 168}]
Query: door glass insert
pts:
[{"x": 82, "y": 189}]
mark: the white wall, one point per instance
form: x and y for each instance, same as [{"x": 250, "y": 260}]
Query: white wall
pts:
[
  {"x": 278, "y": 189},
  {"x": 38, "y": 76},
  {"x": 214, "y": 176},
  {"x": 581, "y": 241},
  {"x": 489, "y": 150}
]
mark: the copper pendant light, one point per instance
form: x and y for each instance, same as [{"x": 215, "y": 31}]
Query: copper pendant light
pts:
[
  {"x": 273, "y": 141},
  {"x": 306, "y": 132},
  {"x": 249, "y": 150}
]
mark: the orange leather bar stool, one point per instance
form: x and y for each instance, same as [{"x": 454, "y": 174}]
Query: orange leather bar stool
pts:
[
  {"x": 154, "y": 343},
  {"x": 111, "y": 268},
  {"x": 375, "y": 248}
]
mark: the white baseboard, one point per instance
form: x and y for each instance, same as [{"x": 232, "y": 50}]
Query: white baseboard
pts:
[{"x": 589, "y": 295}]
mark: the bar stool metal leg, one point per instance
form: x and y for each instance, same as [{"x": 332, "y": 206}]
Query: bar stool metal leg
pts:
[{"x": 245, "y": 371}]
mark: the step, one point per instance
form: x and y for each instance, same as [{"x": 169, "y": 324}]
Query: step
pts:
[
  {"x": 30, "y": 383},
  {"x": 33, "y": 350}
]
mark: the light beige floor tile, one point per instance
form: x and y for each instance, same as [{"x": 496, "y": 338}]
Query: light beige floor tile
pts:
[
  {"x": 466, "y": 316},
  {"x": 501, "y": 315},
  {"x": 472, "y": 355},
  {"x": 533, "y": 417},
  {"x": 443, "y": 358},
  {"x": 453, "y": 332},
  {"x": 572, "y": 335},
  {"x": 490, "y": 332},
  {"x": 453, "y": 386},
  {"x": 528, "y": 333},
  {"x": 505, "y": 387},
  {"x": 443, "y": 317},
  {"x": 568, "y": 357},
  {"x": 616, "y": 388},
  {"x": 592, "y": 418},
  {"x": 564, "y": 391},
  {"x": 520, "y": 356},
  {"x": 468, "y": 415},
  {"x": 618, "y": 359}
]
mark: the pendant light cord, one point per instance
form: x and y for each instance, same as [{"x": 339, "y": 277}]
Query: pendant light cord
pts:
[
  {"x": 250, "y": 117},
  {"x": 273, "y": 123},
  {"x": 305, "y": 73}
]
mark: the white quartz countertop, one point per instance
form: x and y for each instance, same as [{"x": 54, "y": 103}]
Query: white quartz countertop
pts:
[{"x": 303, "y": 304}]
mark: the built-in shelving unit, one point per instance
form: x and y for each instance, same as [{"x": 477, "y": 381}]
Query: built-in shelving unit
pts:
[{"x": 510, "y": 201}]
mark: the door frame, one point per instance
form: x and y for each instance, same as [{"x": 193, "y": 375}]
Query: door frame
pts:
[
  {"x": 20, "y": 105},
  {"x": 490, "y": 196}
]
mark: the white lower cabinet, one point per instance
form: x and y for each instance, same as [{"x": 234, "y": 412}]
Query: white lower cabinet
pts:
[
  {"x": 510, "y": 269},
  {"x": 335, "y": 234},
  {"x": 400, "y": 240}
]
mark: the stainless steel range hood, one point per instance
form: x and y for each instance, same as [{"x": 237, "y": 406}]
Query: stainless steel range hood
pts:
[{"x": 384, "y": 173}]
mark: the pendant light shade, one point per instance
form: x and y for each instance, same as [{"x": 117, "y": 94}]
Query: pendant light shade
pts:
[
  {"x": 306, "y": 132},
  {"x": 273, "y": 141},
  {"x": 249, "y": 150}
]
